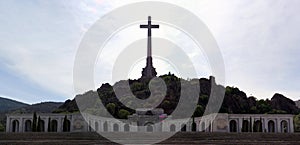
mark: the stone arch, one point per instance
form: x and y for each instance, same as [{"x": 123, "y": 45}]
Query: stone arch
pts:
[
  {"x": 116, "y": 127},
  {"x": 41, "y": 126},
  {"x": 183, "y": 127},
  {"x": 271, "y": 126},
  {"x": 245, "y": 126},
  {"x": 194, "y": 126},
  {"x": 126, "y": 128},
  {"x": 172, "y": 128},
  {"x": 149, "y": 127},
  {"x": 28, "y": 126},
  {"x": 233, "y": 126},
  {"x": 284, "y": 126},
  {"x": 203, "y": 126},
  {"x": 257, "y": 127},
  {"x": 96, "y": 126},
  {"x": 90, "y": 125},
  {"x": 105, "y": 126},
  {"x": 53, "y": 126},
  {"x": 15, "y": 126},
  {"x": 67, "y": 125}
]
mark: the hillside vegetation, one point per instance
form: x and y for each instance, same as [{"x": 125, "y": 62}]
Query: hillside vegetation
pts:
[{"x": 235, "y": 100}]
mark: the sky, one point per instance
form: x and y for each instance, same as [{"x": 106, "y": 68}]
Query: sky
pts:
[{"x": 259, "y": 41}]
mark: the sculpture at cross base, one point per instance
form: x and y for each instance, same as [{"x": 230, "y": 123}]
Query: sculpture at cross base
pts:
[{"x": 149, "y": 71}]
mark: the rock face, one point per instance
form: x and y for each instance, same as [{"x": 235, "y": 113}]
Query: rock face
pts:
[{"x": 281, "y": 102}]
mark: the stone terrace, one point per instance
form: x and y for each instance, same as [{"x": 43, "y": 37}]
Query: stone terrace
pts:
[{"x": 179, "y": 138}]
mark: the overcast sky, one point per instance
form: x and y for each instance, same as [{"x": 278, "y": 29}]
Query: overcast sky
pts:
[{"x": 259, "y": 41}]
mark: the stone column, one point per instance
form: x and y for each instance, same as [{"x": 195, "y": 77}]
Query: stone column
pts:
[
  {"x": 59, "y": 125},
  {"x": 8, "y": 126},
  {"x": 134, "y": 128},
  {"x": 278, "y": 125},
  {"x": 22, "y": 124},
  {"x": 291, "y": 130},
  {"x": 46, "y": 120},
  {"x": 239, "y": 125},
  {"x": 100, "y": 126},
  {"x": 265, "y": 124}
]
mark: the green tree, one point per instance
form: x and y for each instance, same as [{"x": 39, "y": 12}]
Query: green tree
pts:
[
  {"x": 263, "y": 106},
  {"x": 34, "y": 124},
  {"x": 49, "y": 124},
  {"x": 198, "y": 111},
  {"x": 166, "y": 104},
  {"x": 65, "y": 124},
  {"x": 39, "y": 124},
  {"x": 297, "y": 123},
  {"x": 2, "y": 128},
  {"x": 111, "y": 108},
  {"x": 123, "y": 114}
]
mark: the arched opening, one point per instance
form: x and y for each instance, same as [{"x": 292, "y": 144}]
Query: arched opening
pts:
[
  {"x": 203, "y": 126},
  {"x": 28, "y": 126},
  {"x": 183, "y": 127},
  {"x": 90, "y": 125},
  {"x": 172, "y": 128},
  {"x": 53, "y": 126},
  {"x": 245, "y": 126},
  {"x": 105, "y": 126},
  {"x": 149, "y": 128},
  {"x": 41, "y": 126},
  {"x": 66, "y": 125},
  {"x": 257, "y": 127},
  {"x": 126, "y": 128},
  {"x": 96, "y": 126},
  {"x": 116, "y": 127},
  {"x": 233, "y": 126},
  {"x": 284, "y": 126},
  {"x": 194, "y": 126},
  {"x": 15, "y": 126},
  {"x": 271, "y": 126}
]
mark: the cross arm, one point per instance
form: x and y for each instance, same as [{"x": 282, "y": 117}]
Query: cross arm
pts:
[{"x": 143, "y": 26}]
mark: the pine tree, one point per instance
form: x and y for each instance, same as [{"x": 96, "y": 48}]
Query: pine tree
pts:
[
  {"x": 34, "y": 125},
  {"x": 49, "y": 124},
  {"x": 65, "y": 124},
  {"x": 39, "y": 124}
]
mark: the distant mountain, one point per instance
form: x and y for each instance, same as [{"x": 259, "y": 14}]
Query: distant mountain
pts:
[
  {"x": 44, "y": 107},
  {"x": 14, "y": 107},
  {"x": 9, "y": 104}
]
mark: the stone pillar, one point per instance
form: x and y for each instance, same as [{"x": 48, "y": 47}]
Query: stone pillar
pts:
[
  {"x": 134, "y": 127},
  {"x": 278, "y": 125},
  {"x": 239, "y": 125},
  {"x": 291, "y": 125},
  {"x": 59, "y": 125},
  {"x": 109, "y": 126},
  {"x": 100, "y": 126},
  {"x": 22, "y": 124},
  {"x": 265, "y": 124},
  {"x": 8, "y": 125},
  {"x": 46, "y": 120}
]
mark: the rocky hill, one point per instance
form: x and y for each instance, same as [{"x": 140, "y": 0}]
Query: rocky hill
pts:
[
  {"x": 298, "y": 103},
  {"x": 235, "y": 100}
]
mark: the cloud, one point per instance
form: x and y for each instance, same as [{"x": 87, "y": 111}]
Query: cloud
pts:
[{"x": 259, "y": 41}]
